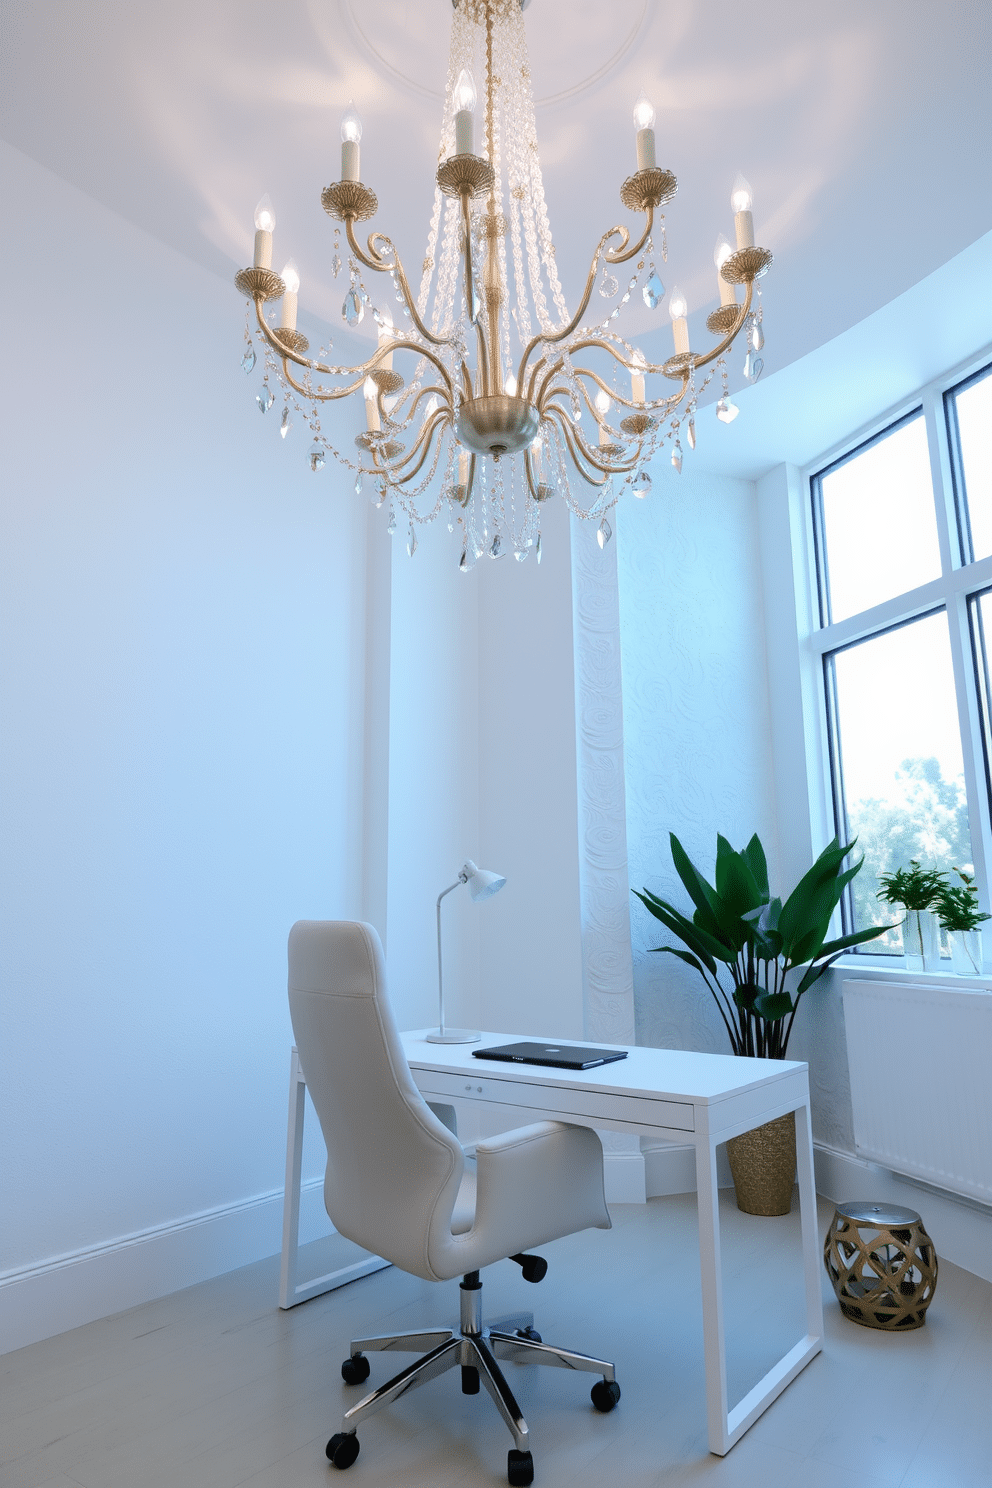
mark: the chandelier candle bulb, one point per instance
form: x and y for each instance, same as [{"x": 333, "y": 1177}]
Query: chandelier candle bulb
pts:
[
  {"x": 603, "y": 408},
  {"x": 465, "y": 100},
  {"x": 722, "y": 251},
  {"x": 291, "y": 278},
  {"x": 372, "y": 407},
  {"x": 678, "y": 309},
  {"x": 740, "y": 200},
  {"x": 637, "y": 379},
  {"x": 385, "y": 339},
  {"x": 644, "y": 119},
  {"x": 265, "y": 221},
  {"x": 351, "y": 135}
]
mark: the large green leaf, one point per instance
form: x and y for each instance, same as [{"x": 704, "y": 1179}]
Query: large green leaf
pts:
[
  {"x": 814, "y": 899},
  {"x": 686, "y": 956},
  {"x": 702, "y": 894},
  {"x": 814, "y": 973},
  {"x": 686, "y": 931},
  {"x": 857, "y": 937},
  {"x": 754, "y": 855},
  {"x": 735, "y": 883},
  {"x": 773, "y": 1005}
]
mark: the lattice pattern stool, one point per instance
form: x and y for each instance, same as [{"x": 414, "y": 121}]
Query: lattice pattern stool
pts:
[{"x": 882, "y": 1264}]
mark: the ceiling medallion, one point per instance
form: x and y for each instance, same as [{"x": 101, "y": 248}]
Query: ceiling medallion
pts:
[{"x": 486, "y": 422}]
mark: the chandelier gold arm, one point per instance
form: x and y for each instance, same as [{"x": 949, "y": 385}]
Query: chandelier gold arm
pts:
[
  {"x": 325, "y": 395},
  {"x": 373, "y": 260},
  {"x": 427, "y": 392},
  {"x": 592, "y": 455},
  {"x": 623, "y": 254},
  {"x": 620, "y": 256},
  {"x": 558, "y": 416},
  {"x": 425, "y": 440},
  {"x": 686, "y": 363}
]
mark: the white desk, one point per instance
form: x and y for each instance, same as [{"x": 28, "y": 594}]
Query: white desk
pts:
[{"x": 688, "y": 1098}]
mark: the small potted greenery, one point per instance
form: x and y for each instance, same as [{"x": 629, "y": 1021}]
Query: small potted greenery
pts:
[
  {"x": 758, "y": 940},
  {"x": 959, "y": 914},
  {"x": 915, "y": 889}
]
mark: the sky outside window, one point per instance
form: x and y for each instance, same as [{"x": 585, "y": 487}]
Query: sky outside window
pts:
[{"x": 879, "y": 525}]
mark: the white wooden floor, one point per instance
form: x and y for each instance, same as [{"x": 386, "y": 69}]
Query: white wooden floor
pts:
[{"x": 214, "y": 1387}]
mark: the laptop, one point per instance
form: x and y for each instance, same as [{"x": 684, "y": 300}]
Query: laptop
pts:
[{"x": 558, "y": 1056}]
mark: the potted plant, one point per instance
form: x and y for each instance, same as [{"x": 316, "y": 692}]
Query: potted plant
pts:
[
  {"x": 758, "y": 940},
  {"x": 915, "y": 890},
  {"x": 958, "y": 912}
]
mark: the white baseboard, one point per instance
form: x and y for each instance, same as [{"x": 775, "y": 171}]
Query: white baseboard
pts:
[
  {"x": 670, "y": 1169},
  {"x": 623, "y": 1178},
  {"x": 960, "y": 1230},
  {"x": 69, "y": 1290}
]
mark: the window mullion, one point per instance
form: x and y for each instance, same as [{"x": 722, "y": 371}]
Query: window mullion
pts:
[
  {"x": 948, "y": 534},
  {"x": 972, "y": 747}
]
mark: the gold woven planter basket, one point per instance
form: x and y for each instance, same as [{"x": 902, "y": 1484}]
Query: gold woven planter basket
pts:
[{"x": 763, "y": 1162}]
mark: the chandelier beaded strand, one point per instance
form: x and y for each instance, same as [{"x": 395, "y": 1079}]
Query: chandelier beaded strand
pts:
[{"x": 489, "y": 424}]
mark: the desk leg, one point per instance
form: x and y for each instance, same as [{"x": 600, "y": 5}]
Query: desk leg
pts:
[
  {"x": 812, "y": 1258},
  {"x": 714, "y": 1341},
  {"x": 290, "y": 1291},
  {"x": 725, "y": 1427}
]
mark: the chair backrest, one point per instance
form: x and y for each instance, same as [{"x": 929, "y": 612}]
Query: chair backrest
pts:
[{"x": 393, "y": 1169}]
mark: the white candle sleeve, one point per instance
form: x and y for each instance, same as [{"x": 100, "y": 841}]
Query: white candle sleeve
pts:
[
  {"x": 372, "y": 414},
  {"x": 287, "y": 320},
  {"x": 463, "y": 468},
  {"x": 645, "y": 149},
  {"x": 680, "y": 330},
  {"x": 350, "y": 160},
  {"x": 263, "y": 249},
  {"x": 464, "y": 132},
  {"x": 744, "y": 228},
  {"x": 637, "y": 386},
  {"x": 728, "y": 295}
]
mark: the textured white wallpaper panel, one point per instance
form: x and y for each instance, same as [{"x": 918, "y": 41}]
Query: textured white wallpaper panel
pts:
[{"x": 697, "y": 743}]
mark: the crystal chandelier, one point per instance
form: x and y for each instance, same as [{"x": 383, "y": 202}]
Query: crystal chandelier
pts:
[{"x": 488, "y": 423}]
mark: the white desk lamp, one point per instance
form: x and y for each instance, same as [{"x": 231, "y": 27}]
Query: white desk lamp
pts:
[{"x": 481, "y": 885}]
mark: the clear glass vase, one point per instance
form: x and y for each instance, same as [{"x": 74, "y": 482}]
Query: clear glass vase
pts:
[
  {"x": 921, "y": 940},
  {"x": 966, "y": 952}
]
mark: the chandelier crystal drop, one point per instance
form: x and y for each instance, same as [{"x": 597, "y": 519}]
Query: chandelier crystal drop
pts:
[{"x": 485, "y": 421}]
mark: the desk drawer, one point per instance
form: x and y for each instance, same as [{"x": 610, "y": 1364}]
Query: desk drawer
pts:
[{"x": 549, "y": 1101}]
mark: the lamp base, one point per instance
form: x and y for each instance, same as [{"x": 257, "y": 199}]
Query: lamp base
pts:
[{"x": 454, "y": 1036}]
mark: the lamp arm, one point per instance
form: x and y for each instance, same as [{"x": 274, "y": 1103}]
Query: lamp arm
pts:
[{"x": 440, "y": 984}]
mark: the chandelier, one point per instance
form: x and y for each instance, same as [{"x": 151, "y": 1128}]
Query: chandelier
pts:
[{"x": 502, "y": 380}]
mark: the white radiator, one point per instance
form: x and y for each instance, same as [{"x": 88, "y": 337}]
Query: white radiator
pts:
[{"x": 921, "y": 1081}]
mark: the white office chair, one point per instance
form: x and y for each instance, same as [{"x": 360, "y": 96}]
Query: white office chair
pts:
[{"x": 399, "y": 1184}]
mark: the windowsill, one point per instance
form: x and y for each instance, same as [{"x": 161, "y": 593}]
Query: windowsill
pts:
[{"x": 880, "y": 969}]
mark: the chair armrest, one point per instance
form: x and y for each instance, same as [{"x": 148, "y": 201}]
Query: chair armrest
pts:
[{"x": 538, "y": 1183}]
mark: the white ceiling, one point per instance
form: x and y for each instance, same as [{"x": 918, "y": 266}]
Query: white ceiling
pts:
[{"x": 863, "y": 127}]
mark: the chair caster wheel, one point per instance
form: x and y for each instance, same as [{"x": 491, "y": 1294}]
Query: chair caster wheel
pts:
[
  {"x": 519, "y": 1468},
  {"x": 356, "y": 1370},
  {"x": 470, "y": 1380},
  {"x": 343, "y": 1448},
  {"x": 530, "y": 1333},
  {"x": 604, "y": 1395}
]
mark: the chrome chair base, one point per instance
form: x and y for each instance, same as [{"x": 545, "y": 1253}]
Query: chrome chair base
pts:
[{"x": 476, "y": 1348}]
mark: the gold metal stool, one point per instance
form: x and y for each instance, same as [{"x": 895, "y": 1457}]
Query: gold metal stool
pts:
[{"x": 882, "y": 1264}]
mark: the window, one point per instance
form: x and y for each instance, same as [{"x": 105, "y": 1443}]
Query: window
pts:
[{"x": 904, "y": 574}]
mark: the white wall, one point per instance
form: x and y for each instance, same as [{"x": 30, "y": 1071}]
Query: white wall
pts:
[
  {"x": 183, "y": 604},
  {"x": 696, "y": 729},
  {"x": 530, "y": 932}
]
